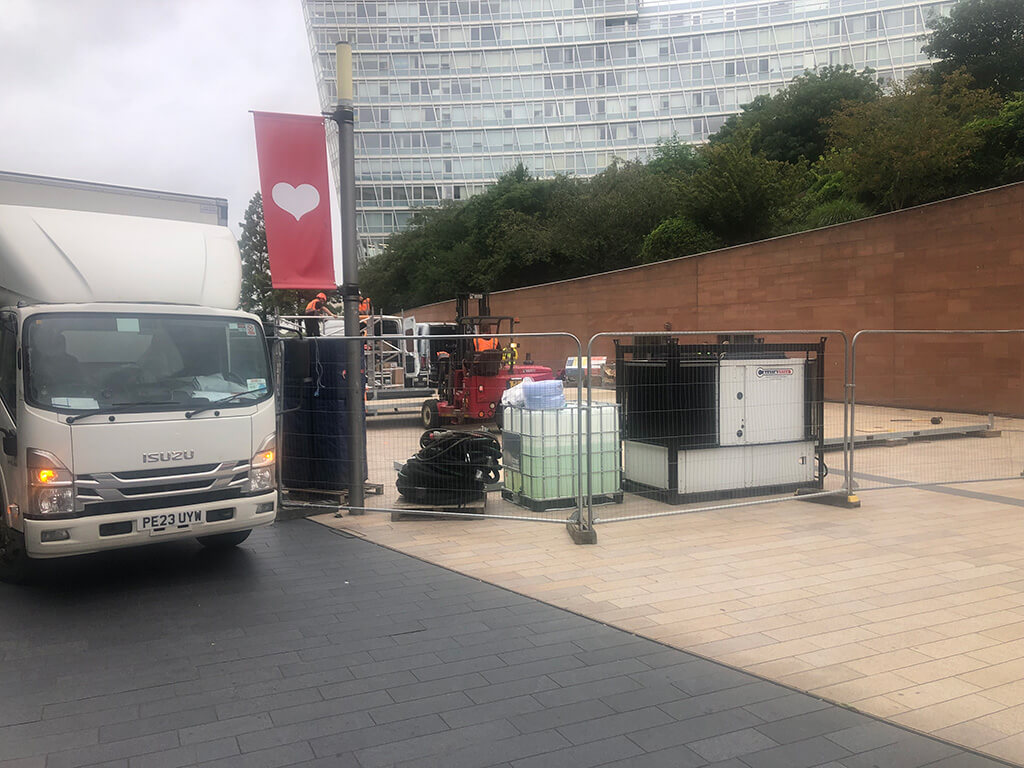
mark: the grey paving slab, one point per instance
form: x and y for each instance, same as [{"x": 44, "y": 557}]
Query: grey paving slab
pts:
[{"x": 309, "y": 648}]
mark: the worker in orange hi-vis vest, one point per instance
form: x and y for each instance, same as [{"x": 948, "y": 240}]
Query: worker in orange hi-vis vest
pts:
[
  {"x": 485, "y": 343},
  {"x": 365, "y": 308},
  {"x": 316, "y": 306}
]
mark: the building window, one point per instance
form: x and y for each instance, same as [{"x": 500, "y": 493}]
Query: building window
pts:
[{"x": 487, "y": 34}]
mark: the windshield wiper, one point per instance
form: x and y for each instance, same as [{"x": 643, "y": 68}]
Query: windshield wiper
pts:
[
  {"x": 118, "y": 408},
  {"x": 218, "y": 403}
]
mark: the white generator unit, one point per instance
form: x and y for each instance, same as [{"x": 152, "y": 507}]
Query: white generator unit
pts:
[{"x": 720, "y": 428}]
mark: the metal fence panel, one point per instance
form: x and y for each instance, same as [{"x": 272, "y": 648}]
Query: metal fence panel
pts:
[
  {"x": 461, "y": 465},
  {"x": 936, "y": 408},
  {"x": 720, "y": 419},
  {"x": 653, "y": 424}
]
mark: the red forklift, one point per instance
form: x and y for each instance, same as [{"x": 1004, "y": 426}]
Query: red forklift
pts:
[{"x": 470, "y": 380}]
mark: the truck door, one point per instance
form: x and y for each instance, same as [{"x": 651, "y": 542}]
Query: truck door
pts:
[{"x": 8, "y": 392}]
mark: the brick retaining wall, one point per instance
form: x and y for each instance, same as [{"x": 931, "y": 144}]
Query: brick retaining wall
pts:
[{"x": 956, "y": 264}]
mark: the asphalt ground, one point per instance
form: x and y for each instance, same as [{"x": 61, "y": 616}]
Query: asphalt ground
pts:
[{"x": 308, "y": 647}]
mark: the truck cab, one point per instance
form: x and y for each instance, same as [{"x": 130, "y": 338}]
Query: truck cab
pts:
[{"x": 136, "y": 402}]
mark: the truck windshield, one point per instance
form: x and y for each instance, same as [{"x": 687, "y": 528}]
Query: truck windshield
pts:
[{"x": 89, "y": 361}]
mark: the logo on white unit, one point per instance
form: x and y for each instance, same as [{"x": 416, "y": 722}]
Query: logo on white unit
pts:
[
  {"x": 773, "y": 372},
  {"x": 298, "y": 201}
]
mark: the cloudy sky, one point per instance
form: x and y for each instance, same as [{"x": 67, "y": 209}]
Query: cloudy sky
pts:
[{"x": 149, "y": 93}]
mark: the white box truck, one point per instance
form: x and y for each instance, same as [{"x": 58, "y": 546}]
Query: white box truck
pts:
[{"x": 136, "y": 401}]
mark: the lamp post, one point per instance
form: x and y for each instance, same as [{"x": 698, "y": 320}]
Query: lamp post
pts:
[{"x": 344, "y": 116}]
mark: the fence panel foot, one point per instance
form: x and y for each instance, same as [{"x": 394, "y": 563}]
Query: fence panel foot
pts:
[
  {"x": 842, "y": 500},
  {"x": 581, "y": 535}
]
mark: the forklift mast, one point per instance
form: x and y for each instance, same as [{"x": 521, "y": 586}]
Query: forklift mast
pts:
[{"x": 483, "y": 302}]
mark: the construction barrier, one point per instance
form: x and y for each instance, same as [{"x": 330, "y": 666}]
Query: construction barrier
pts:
[
  {"x": 725, "y": 419},
  {"x": 637, "y": 425},
  {"x": 910, "y": 428},
  {"x": 438, "y": 451}
]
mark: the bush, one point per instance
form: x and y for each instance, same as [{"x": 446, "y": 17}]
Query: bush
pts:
[
  {"x": 677, "y": 237},
  {"x": 835, "y": 212}
]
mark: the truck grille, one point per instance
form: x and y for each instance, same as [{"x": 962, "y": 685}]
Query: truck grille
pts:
[{"x": 106, "y": 492}]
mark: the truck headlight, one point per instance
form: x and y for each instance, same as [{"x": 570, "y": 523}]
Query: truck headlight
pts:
[
  {"x": 55, "y": 501},
  {"x": 51, "y": 483},
  {"x": 261, "y": 469}
]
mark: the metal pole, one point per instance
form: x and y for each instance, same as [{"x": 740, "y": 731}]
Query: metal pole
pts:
[
  {"x": 848, "y": 416},
  {"x": 344, "y": 116},
  {"x": 589, "y": 516}
]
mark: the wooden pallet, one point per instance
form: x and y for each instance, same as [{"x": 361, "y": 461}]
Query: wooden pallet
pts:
[
  {"x": 551, "y": 505},
  {"x": 316, "y": 498},
  {"x": 415, "y": 511}
]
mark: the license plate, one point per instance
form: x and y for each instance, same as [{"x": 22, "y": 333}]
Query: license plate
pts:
[
  {"x": 169, "y": 522},
  {"x": 514, "y": 382}
]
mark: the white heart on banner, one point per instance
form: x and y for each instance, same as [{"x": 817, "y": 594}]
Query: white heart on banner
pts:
[{"x": 298, "y": 201}]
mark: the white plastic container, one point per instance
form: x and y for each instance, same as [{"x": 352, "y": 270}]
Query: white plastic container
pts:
[{"x": 543, "y": 395}]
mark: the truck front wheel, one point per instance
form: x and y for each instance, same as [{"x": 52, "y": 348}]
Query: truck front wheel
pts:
[
  {"x": 14, "y": 560},
  {"x": 224, "y": 540}
]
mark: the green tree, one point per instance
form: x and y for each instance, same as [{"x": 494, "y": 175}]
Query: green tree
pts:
[
  {"x": 789, "y": 125},
  {"x": 258, "y": 295},
  {"x": 522, "y": 231},
  {"x": 1000, "y": 159},
  {"x": 741, "y": 196},
  {"x": 604, "y": 224},
  {"x": 983, "y": 37},
  {"x": 677, "y": 237},
  {"x": 911, "y": 147},
  {"x": 674, "y": 158}
]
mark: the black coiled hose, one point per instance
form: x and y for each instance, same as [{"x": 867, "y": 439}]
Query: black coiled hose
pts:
[{"x": 451, "y": 467}]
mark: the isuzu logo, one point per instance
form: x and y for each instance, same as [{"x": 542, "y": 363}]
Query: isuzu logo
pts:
[{"x": 157, "y": 456}]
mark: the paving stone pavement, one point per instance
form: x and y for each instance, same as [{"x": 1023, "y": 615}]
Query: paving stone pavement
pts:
[{"x": 306, "y": 647}]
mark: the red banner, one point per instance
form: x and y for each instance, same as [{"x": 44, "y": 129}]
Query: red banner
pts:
[{"x": 292, "y": 154}]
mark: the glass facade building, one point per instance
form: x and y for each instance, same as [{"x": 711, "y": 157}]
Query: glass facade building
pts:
[{"x": 452, "y": 93}]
